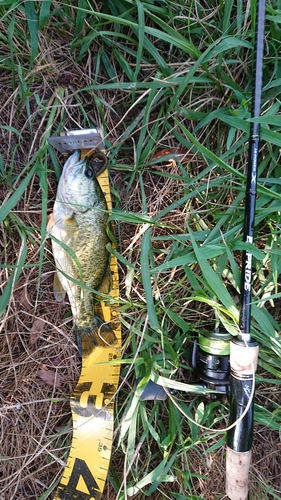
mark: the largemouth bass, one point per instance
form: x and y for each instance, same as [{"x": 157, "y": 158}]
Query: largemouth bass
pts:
[{"x": 79, "y": 221}]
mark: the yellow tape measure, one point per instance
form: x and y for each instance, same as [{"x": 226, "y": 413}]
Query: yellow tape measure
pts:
[{"x": 92, "y": 403}]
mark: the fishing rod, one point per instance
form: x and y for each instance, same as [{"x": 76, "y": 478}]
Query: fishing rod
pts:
[
  {"x": 243, "y": 349},
  {"x": 211, "y": 358},
  {"x": 221, "y": 364}
]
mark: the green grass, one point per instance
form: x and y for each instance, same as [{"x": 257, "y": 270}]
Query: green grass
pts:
[{"x": 156, "y": 75}]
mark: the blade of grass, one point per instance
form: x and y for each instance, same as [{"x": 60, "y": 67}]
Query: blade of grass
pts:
[
  {"x": 32, "y": 22},
  {"x": 146, "y": 279},
  {"x": 8, "y": 290}
]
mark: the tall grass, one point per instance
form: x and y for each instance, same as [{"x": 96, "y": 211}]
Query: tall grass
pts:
[{"x": 158, "y": 76}]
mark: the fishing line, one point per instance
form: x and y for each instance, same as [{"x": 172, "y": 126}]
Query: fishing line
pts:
[{"x": 209, "y": 428}]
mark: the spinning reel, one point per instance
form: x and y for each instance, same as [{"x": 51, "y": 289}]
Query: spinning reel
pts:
[{"x": 210, "y": 363}]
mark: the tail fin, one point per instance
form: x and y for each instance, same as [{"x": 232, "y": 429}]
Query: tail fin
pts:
[{"x": 99, "y": 334}]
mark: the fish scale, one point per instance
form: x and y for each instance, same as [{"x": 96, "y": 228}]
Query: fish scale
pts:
[{"x": 79, "y": 221}]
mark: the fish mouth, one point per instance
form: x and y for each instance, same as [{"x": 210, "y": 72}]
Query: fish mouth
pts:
[
  {"x": 76, "y": 168},
  {"x": 89, "y": 166}
]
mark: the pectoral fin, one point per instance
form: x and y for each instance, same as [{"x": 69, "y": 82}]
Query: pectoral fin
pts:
[
  {"x": 65, "y": 220},
  {"x": 59, "y": 291},
  {"x": 51, "y": 222}
]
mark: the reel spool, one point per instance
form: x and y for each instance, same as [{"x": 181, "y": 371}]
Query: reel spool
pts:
[{"x": 210, "y": 360}]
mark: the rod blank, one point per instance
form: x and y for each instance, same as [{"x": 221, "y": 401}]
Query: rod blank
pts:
[{"x": 243, "y": 351}]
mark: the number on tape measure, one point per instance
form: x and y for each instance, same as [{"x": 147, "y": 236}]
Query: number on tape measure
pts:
[
  {"x": 81, "y": 469},
  {"x": 86, "y": 404},
  {"x": 70, "y": 492}
]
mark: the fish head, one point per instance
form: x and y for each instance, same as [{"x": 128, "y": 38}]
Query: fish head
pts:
[{"x": 78, "y": 187}]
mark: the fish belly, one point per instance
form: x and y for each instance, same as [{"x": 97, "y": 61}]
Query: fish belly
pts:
[{"x": 86, "y": 262}]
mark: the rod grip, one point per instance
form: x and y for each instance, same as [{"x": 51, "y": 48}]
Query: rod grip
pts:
[
  {"x": 237, "y": 474},
  {"x": 243, "y": 364}
]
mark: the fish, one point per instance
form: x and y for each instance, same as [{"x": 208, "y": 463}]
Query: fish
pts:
[{"x": 78, "y": 228}]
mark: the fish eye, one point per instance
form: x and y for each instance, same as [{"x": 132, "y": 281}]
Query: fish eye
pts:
[{"x": 89, "y": 173}]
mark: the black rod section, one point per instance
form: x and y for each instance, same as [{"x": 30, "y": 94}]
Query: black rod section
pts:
[
  {"x": 243, "y": 351},
  {"x": 251, "y": 188}
]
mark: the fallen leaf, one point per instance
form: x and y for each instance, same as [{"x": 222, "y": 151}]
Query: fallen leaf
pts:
[
  {"x": 36, "y": 330},
  {"x": 175, "y": 151},
  {"x": 22, "y": 296},
  {"x": 56, "y": 361},
  {"x": 50, "y": 377}
]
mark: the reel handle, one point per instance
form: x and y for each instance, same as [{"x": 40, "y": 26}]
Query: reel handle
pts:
[{"x": 210, "y": 362}]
